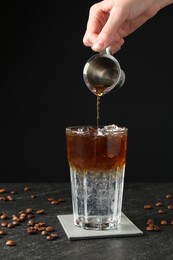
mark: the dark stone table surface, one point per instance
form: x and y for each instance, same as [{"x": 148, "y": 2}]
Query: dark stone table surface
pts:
[{"x": 152, "y": 245}]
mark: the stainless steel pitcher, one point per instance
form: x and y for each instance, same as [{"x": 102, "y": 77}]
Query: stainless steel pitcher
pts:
[{"x": 103, "y": 71}]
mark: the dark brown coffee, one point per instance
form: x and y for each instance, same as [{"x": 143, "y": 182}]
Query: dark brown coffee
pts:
[{"x": 89, "y": 151}]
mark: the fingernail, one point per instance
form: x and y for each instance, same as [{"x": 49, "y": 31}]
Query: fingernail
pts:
[{"x": 98, "y": 45}]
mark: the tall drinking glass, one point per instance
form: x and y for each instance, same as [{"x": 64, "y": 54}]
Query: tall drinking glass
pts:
[{"x": 97, "y": 159}]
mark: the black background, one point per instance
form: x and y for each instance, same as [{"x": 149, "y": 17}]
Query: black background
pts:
[{"x": 43, "y": 92}]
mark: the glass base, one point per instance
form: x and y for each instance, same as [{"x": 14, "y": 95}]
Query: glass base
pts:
[{"x": 96, "y": 223}]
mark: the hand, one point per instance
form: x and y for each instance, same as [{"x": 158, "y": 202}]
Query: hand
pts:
[{"x": 110, "y": 21}]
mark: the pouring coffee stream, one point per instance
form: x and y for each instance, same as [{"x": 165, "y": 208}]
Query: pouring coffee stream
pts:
[{"x": 101, "y": 74}]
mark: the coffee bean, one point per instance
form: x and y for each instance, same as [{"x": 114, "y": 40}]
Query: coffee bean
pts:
[
  {"x": 50, "y": 199},
  {"x": 26, "y": 188},
  {"x": 49, "y": 228},
  {"x": 10, "y": 242},
  {"x": 21, "y": 219},
  {"x": 22, "y": 215},
  {"x": 147, "y": 206},
  {"x": 41, "y": 228},
  {"x": 13, "y": 192},
  {"x": 55, "y": 202},
  {"x": 169, "y": 196},
  {"x": 15, "y": 223},
  {"x": 44, "y": 233},
  {"x": 31, "y": 222},
  {"x": 2, "y": 232},
  {"x": 158, "y": 204},
  {"x": 33, "y": 196},
  {"x": 4, "y": 216},
  {"x": 170, "y": 206},
  {"x": 22, "y": 211},
  {"x": 2, "y": 190},
  {"x": 36, "y": 226},
  {"x": 4, "y": 224},
  {"x": 14, "y": 217},
  {"x": 29, "y": 210},
  {"x": 31, "y": 230},
  {"x": 54, "y": 235},
  {"x": 150, "y": 228},
  {"x": 163, "y": 222},
  {"x": 50, "y": 238},
  {"x": 10, "y": 225},
  {"x": 10, "y": 197},
  {"x": 162, "y": 211},
  {"x": 30, "y": 216},
  {"x": 150, "y": 221},
  {"x": 40, "y": 211}
]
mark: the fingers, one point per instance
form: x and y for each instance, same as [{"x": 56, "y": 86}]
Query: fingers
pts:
[
  {"x": 98, "y": 16},
  {"x": 103, "y": 24},
  {"x": 89, "y": 39},
  {"x": 109, "y": 35}
]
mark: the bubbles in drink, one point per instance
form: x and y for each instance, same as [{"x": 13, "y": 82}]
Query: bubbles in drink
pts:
[{"x": 97, "y": 198}]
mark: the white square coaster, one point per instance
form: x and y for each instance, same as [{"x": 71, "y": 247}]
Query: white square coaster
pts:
[{"x": 125, "y": 228}]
